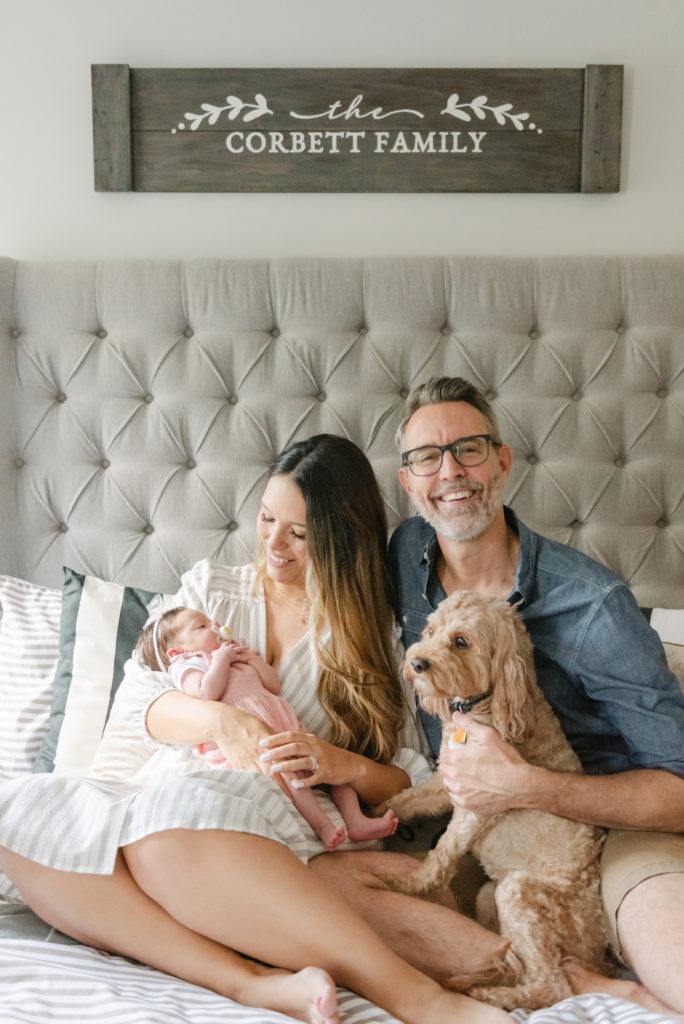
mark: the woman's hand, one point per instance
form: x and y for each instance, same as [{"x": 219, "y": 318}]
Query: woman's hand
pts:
[
  {"x": 293, "y": 752},
  {"x": 304, "y": 752}
]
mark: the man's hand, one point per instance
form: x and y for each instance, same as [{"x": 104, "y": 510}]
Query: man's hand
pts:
[{"x": 483, "y": 774}]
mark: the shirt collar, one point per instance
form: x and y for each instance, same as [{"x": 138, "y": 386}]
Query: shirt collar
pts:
[
  {"x": 430, "y": 548},
  {"x": 527, "y": 556}
]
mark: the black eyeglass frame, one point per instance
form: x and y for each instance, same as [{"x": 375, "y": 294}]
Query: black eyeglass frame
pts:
[{"x": 442, "y": 448}]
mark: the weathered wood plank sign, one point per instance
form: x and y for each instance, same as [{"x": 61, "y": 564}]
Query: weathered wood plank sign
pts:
[{"x": 357, "y": 130}]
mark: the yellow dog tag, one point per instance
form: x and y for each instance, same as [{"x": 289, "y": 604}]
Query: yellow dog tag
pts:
[{"x": 458, "y": 736}]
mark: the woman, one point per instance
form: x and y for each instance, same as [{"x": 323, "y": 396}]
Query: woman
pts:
[{"x": 199, "y": 862}]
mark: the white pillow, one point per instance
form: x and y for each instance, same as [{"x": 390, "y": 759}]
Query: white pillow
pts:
[
  {"x": 121, "y": 751},
  {"x": 29, "y": 650},
  {"x": 675, "y": 659},
  {"x": 669, "y": 624}
]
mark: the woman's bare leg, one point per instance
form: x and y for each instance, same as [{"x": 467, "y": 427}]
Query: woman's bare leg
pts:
[
  {"x": 254, "y": 895},
  {"x": 111, "y": 912},
  {"x": 433, "y": 936}
]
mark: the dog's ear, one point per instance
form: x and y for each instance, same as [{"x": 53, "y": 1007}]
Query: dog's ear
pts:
[{"x": 513, "y": 678}]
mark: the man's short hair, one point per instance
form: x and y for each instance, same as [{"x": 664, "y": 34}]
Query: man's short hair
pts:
[{"x": 446, "y": 389}]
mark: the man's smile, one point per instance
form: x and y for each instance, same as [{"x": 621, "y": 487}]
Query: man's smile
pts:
[{"x": 456, "y": 495}]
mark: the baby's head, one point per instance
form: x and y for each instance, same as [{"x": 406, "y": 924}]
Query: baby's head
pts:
[{"x": 178, "y": 630}]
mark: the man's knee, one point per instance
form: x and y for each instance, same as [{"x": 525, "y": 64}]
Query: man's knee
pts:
[
  {"x": 653, "y": 909},
  {"x": 361, "y": 869},
  {"x": 639, "y": 872}
]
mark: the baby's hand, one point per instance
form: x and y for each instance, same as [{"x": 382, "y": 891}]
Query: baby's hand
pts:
[
  {"x": 252, "y": 650},
  {"x": 240, "y": 651},
  {"x": 226, "y": 654},
  {"x": 254, "y": 658}
]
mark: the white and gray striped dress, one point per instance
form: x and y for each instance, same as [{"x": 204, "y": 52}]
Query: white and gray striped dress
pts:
[{"x": 76, "y": 824}]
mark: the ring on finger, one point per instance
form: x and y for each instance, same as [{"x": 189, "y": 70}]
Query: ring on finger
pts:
[{"x": 314, "y": 763}]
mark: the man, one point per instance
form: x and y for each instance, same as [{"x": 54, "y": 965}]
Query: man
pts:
[{"x": 599, "y": 663}]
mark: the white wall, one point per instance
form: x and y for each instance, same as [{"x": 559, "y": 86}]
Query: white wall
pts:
[{"x": 49, "y": 209}]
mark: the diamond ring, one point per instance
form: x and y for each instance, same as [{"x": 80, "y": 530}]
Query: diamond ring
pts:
[{"x": 314, "y": 763}]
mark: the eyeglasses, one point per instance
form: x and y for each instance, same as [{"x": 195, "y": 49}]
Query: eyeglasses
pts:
[{"x": 468, "y": 451}]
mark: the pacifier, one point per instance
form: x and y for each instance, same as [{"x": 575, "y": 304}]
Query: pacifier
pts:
[{"x": 222, "y": 632}]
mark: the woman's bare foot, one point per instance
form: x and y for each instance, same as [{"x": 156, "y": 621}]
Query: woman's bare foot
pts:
[
  {"x": 310, "y": 995},
  {"x": 582, "y": 979}
]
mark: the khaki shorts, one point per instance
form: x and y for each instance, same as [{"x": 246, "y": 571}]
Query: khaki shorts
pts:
[{"x": 629, "y": 858}]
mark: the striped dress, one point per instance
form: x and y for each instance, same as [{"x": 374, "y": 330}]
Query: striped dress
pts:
[{"x": 77, "y": 824}]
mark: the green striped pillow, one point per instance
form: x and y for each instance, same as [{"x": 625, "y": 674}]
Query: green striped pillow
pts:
[{"x": 99, "y": 627}]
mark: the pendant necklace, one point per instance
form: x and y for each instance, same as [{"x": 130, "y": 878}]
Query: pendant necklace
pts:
[{"x": 301, "y": 608}]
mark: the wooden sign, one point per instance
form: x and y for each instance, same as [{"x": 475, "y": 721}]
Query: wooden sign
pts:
[{"x": 357, "y": 130}]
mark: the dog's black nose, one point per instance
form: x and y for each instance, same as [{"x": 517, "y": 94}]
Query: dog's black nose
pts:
[{"x": 420, "y": 664}]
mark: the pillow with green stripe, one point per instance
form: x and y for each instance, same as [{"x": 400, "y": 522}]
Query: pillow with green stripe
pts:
[{"x": 99, "y": 627}]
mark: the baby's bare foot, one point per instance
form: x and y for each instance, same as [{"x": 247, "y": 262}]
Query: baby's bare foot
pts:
[
  {"x": 331, "y": 835},
  {"x": 373, "y": 828}
]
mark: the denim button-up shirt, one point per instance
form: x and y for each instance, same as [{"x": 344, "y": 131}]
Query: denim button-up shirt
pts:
[{"x": 600, "y": 665}]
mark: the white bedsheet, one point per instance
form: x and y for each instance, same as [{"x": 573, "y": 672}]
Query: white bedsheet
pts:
[
  {"x": 45, "y": 982},
  {"x": 41, "y": 982}
]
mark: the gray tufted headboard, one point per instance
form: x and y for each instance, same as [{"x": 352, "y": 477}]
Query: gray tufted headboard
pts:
[{"x": 142, "y": 400}]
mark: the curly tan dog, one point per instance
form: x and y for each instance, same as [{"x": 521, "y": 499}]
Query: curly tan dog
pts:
[{"x": 475, "y": 654}]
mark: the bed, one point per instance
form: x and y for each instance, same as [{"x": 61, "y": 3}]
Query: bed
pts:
[{"x": 140, "y": 404}]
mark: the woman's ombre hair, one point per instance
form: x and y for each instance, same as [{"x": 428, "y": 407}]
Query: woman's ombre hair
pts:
[{"x": 349, "y": 589}]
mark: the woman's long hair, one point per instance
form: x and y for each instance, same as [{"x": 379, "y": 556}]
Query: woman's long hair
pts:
[{"x": 349, "y": 589}]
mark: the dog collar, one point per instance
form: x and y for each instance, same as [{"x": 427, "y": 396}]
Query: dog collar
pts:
[{"x": 464, "y": 706}]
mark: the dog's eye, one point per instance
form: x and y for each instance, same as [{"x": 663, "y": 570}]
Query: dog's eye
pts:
[
  {"x": 429, "y": 631},
  {"x": 460, "y": 641}
]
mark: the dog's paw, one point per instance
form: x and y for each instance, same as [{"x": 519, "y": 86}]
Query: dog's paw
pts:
[
  {"x": 516, "y": 989},
  {"x": 502, "y": 968},
  {"x": 503, "y": 996},
  {"x": 518, "y": 997},
  {"x": 397, "y": 803}
]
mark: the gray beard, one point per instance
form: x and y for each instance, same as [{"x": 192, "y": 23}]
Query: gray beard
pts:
[{"x": 472, "y": 525}]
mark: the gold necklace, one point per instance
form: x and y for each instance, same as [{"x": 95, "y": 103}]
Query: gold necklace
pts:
[{"x": 301, "y": 608}]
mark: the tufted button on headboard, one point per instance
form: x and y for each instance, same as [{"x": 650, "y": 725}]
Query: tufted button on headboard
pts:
[{"x": 143, "y": 400}]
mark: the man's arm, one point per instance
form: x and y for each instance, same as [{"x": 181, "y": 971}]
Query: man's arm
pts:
[{"x": 488, "y": 775}]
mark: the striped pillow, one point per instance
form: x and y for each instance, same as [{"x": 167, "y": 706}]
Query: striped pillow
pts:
[
  {"x": 29, "y": 649},
  {"x": 100, "y": 624}
]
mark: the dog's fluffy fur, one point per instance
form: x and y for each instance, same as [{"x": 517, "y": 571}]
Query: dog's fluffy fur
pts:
[{"x": 545, "y": 868}]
